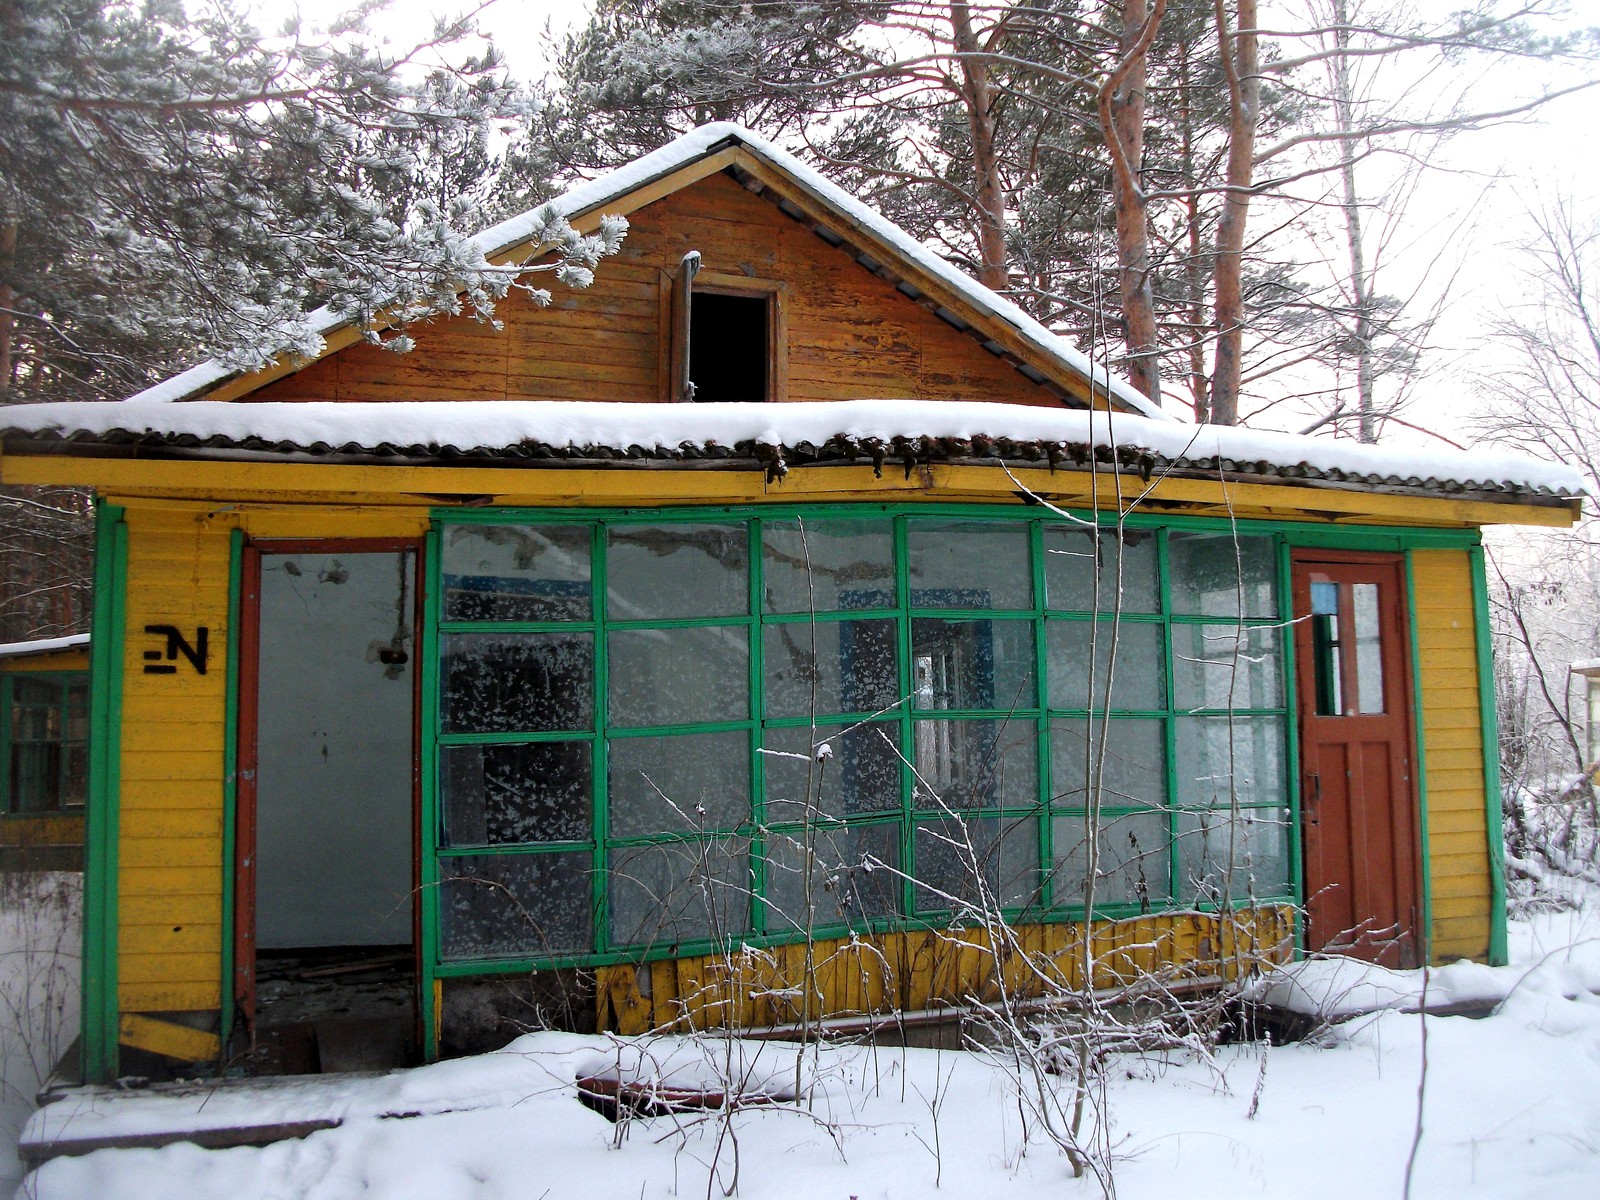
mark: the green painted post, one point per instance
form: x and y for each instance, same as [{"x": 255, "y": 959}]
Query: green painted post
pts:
[
  {"x": 428, "y": 578},
  {"x": 1493, "y": 807},
  {"x": 98, "y": 1039}
]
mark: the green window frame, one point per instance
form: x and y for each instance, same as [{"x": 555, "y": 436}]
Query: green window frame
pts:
[
  {"x": 767, "y": 857},
  {"x": 44, "y": 742}
]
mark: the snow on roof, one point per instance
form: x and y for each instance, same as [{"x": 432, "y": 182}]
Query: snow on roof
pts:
[
  {"x": 43, "y": 645},
  {"x": 701, "y": 143},
  {"x": 821, "y": 431}
]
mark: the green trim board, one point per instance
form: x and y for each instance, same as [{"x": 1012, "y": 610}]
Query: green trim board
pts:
[
  {"x": 230, "y": 784},
  {"x": 428, "y": 848},
  {"x": 1419, "y": 759},
  {"x": 99, "y": 980},
  {"x": 1176, "y": 632},
  {"x": 1493, "y": 801}
]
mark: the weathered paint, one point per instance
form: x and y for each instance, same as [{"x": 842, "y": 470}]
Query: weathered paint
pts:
[{"x": 1453, "y": 754}]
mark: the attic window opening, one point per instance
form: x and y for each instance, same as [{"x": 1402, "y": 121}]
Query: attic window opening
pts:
[{"x": 730, "y": 339}]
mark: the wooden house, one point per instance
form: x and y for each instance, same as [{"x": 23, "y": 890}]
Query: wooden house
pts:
[{"x": 913, "y": 645}]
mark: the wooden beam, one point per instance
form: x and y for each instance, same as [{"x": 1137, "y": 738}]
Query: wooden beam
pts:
[{"x": 168, "y": 1039}]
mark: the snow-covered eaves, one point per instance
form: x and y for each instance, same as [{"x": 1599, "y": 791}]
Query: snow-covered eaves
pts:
[
  {"x": 593, "y": 198},
  {"x": 774, "y": 437},
  {"x": 43, "y": 646}
]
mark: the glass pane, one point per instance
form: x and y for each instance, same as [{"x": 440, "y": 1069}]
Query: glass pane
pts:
[
  {"x": 1132, "y": 760},
  {"x": 955, "y": 856},
  {"x": 822, "y": 566},
  {"x": 1327, "y": 654},
  {"x": 853, "y": 876},
  {"x": 517, "y": 682},
  {"x": 1225, "y": 761},
  {"x": 1255, "y": 846},
  {"x": 673, "y": 892},
  {"x": 1221, "y": 575},
  {"x": 657, "y": 572},
  {"x": 679, "y": 676},
  {"x": 502, "y": 795},
  {"x": 516, "y": 572},
  {"x": 861, "y": 773},
  {"x": 1081, "y": 571},
  {"x": 984, "y": 665},
  {"x": 815, "y": 667},
  {"x": 77, "y": 724},
  {"x": 683, "y": 782},
  {"x": 74, "y": 775},
  {"x": 969, "y": 564},
  {"x": 1369, "y": 648},
  {"x": 976, "y": 764},
  {"x": 1129, "y": 665},
  {"x": 1134, "y": 866},
  {"x": 1227, "y": 666},
  {"x": 502, "y": 905}
]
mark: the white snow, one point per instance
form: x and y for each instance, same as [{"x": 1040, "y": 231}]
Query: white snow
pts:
[
  {"x": 1511, "y": 1110},
  {"x": 607, "y": 189},
  {"x": 43, "y": 645},
  {"x": 494, "y": 424}
]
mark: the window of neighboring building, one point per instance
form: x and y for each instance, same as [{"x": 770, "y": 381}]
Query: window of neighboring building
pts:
[
  {"x": 44, "y": 741},
  {"x": 657, "y": 733}
]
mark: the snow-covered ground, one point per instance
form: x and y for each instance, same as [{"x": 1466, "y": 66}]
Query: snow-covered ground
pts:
[
  {"x": 39, "y": 962},
  {"x": 1510, "y": 1108}
]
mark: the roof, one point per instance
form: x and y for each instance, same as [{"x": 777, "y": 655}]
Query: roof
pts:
[
  {"x": 40, "y": 646},
  {"x": 772, "y": 436},
  {"x": 595, "y": 196}
]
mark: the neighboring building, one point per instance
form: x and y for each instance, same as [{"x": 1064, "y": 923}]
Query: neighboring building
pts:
[
  {"x": 44, "y": 752},
  {"x": 521, "y": 690}
]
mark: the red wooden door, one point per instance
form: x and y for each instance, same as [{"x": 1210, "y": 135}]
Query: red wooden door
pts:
[{"x": 1357, "y": 798}]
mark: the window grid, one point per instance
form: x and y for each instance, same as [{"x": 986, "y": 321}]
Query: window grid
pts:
[
  {"x": 37, "y": 765},
  {"x": 1038, "y": 716}
]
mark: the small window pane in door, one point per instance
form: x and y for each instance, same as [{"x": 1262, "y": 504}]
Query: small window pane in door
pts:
[
  {"x": 1369, "y": 648},
  {"x": 1327, "y": 655}
]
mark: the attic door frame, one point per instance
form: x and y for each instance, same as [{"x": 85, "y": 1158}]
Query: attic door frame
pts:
[
  {"x": 242, "y": 985},
  {"x": 725, "y": 283}
]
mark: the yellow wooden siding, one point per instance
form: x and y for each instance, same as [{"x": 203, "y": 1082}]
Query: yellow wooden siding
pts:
[
  {"x": 877, "y": 974},
  {"x": 1452, "y": 738},
  {"x": 850, "y": 333}
]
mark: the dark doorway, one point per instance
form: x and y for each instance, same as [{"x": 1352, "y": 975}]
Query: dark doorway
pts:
[
  {"x": 729, "y": 347},
  {"x": 1357, "y": 798},
  {"x": 326, "y": 925}
]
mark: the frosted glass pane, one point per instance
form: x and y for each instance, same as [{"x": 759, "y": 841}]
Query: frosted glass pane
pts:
[
  {"x": 954, "y": 857},
  {"x": 500, "y": 795},
  {"x": 511, "y": 682},
  {"x": 516, "y": 572},
  {"x": 975, "y": 764},
  {"x": 984, "y": 665},
  {"x": 813, "y": 667},
  {"x": 1255, "y": 844},
  {"x": 1369, "y": 648},
  {"x": 1129, "y": 665},
  {"x": 657, "y": 572},
  {"x": 683, "y": 782},
  {"x": 1227, "y": 666},
  {"x": 679, "y": 676},
  {"x": 860, "y": 775},
  {"x": 521, "y": 905},
  {"x": 674, "y": 892},
  {"x": 1222, "y": 763},
  {"x": 1081, "y": 570},
  {"x": 1220, "y": 575},
  {"x": 1131, "y": 759},
  {"x": 853, "y": 877},
  {"x": 1134, "y": 865},
  {"x": 969, "y": 564},
  {"x": 821, "y": 566}
]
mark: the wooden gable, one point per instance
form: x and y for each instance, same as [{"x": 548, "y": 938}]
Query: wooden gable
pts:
[{"x": 845, "y": 333}]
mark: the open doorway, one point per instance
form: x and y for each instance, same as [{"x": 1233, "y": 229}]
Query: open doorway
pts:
[{"x": 325, "y": 920}]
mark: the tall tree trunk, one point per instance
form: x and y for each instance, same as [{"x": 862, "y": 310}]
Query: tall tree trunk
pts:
[
  {"x": 978, "y": 96},
  {"x": 1195, "y": 272},
  {"x": 8, "y": 300},
  {"x": 1241, "y": 67},
  {"x": 1121, "y": 106},
  {"x": 1350, "y": 204}
]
